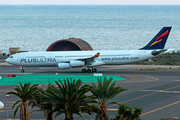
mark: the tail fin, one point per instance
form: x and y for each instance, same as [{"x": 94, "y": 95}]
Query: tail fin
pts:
[{"x": 159, "y": 41}]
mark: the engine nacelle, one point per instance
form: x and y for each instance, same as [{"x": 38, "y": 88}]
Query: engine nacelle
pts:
[
  {"x": 72, "y": 63},
  {"x": 77, "y": 63},
  {"x": 64, "y": 65},
  {"x": 96, "y": 63}
]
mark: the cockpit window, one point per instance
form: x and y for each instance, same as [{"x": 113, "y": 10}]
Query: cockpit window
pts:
[{"x": 11, "y": 56}]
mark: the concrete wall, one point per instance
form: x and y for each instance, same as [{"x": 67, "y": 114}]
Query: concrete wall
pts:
[{"x": 13, "y": 50}]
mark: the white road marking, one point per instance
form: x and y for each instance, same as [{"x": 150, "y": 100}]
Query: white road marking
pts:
[{"x": 160, "y": 91}]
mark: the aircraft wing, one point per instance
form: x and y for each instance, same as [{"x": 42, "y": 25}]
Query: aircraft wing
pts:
[{"x": 89, "y": 59}]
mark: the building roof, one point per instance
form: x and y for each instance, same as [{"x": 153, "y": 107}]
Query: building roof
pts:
[{"x": 71, "y": 44}]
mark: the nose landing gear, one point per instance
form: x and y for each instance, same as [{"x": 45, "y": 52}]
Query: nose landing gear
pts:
[{"x": 22, "y": 70}]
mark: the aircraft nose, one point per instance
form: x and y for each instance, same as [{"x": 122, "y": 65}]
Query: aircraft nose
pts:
[{"x": 7, "y": 60}]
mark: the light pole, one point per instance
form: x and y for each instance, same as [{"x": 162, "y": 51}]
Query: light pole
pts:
[{"x": 7, "y": 115}]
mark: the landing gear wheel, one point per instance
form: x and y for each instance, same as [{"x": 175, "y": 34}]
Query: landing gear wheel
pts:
[
  {"x": 94, "y": 70},
  {"x": 83, "y": 70},
  {"x": 22, "y": 70},
  {"x": 88, "y": 70}
]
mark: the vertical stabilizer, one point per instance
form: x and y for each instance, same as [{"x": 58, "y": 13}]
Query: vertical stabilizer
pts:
[{"x": 159, "y": 41}]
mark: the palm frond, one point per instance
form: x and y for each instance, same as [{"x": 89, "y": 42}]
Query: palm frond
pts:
[
  {"x": 16, "y": 103},
  {"x": 16, "y": 110}
]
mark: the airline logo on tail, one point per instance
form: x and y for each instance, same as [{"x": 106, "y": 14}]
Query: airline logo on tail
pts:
[
  {"x": 97, "y": 54},
  {"x": 158, "y": 39}
]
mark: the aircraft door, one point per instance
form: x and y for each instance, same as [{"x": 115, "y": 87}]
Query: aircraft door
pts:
[
  {"x": 135, "y": 57},
  {"x": 18, "y": 58},
  {"x": 50, "y": 56},
  {"x": 138, "y": 54},
  {"x": 50, "y": 59}
]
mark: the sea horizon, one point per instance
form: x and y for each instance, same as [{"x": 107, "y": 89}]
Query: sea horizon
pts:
[{"x": 104, "y": 27}]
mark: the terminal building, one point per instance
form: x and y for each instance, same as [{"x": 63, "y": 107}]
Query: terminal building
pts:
[{"x": 71, "y": 44}]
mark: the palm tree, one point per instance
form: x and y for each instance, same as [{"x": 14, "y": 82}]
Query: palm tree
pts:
[
  {"x": 70, "y": 98},
  {"x": 26, "y": 93},
  {"x": 123, "y": 112},
  {"x": 44, "y": 103},
  {"x": 136, "y": 113},
  {"x": 128, "y": 113},
  {"x": 104, "y": 92}
]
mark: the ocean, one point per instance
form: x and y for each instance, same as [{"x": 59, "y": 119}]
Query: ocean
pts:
[{"x": 104, "y": 27}]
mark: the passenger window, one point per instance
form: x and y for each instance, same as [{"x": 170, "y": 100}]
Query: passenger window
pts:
[{"x": 11, "y": 56}]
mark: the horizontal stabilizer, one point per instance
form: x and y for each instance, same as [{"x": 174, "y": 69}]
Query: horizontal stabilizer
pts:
[{"x": 157, "y": 52}]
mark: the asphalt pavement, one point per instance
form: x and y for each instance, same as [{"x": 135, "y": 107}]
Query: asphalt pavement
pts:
[{"x": 157, "y": 92}]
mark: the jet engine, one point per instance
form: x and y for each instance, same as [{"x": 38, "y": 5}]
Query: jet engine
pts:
[
  {"x": 72, "y": 63},
  {"x": 76, "y": 63},
  {"x": 64, "y": 65}
]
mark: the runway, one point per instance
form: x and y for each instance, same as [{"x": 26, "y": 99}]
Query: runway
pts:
[{"x": 156, "y": 91}]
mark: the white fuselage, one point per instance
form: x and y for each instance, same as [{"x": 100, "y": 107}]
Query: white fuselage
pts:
[{"x": 52, "y": 58}]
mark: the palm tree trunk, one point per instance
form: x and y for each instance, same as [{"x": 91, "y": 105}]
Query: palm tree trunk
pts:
[
  {"x": 49, "y": 116},
  {"x": 66, "y": 117},
  {"x": 126, "y": 118},
  {"x": 25, "y": 114},
  {"x": 71, "y": 116},
  {"x": 104, "y": 114}
]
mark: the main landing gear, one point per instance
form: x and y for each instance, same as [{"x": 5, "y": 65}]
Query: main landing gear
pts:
[
  {"x": 89, "y": 70},
  {"x": 22, "y": 70}
]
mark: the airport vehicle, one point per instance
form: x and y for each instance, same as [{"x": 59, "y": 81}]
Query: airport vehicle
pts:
[{"x": 91, "y": 59}]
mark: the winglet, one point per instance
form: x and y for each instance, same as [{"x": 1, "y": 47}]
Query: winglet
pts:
[{"x": 97, "y": 54}]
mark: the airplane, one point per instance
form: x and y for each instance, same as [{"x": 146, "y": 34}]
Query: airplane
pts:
[{"x": 91, "y": 59}]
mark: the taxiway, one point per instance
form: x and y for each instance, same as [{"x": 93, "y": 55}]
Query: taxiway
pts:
[{"x": 156, "y": 91}]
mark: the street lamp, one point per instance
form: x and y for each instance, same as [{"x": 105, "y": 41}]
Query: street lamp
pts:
[{"x": 1, "y": 105}]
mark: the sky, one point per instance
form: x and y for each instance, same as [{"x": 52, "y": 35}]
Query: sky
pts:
[{"x": 90, "y": 2}]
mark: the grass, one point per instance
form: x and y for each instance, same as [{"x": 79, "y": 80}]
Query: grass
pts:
[{"x": 46, "y": 79}]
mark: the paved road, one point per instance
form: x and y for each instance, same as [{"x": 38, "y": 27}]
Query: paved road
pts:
[{"x": 157, "y": 92}]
